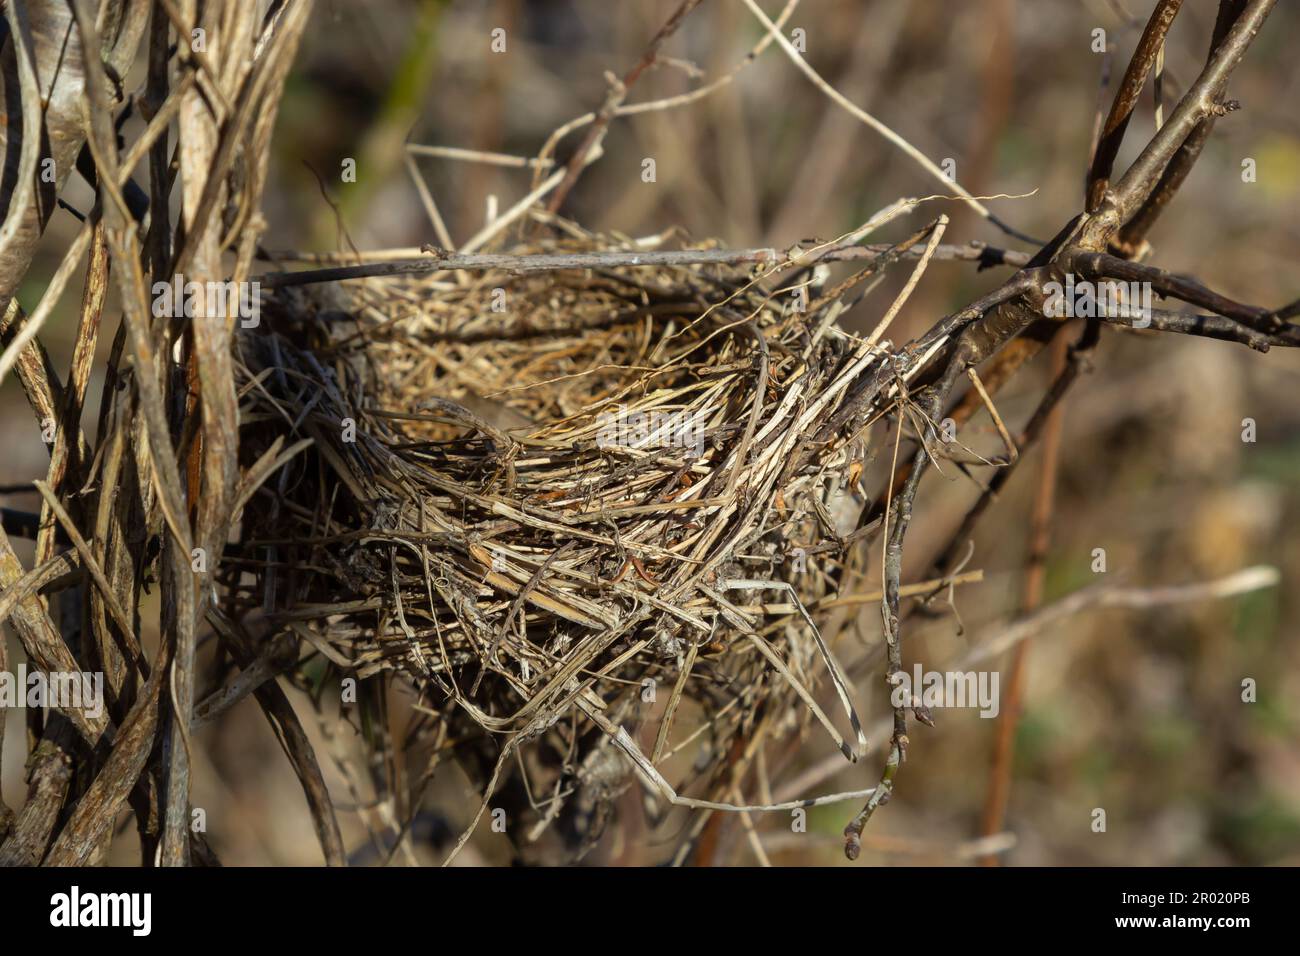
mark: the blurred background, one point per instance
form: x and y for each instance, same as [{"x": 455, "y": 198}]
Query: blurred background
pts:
[{"x": 1136, "y": 712}]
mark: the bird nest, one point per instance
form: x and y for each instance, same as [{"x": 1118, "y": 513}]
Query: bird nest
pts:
[{"x": 560, "y": 503}]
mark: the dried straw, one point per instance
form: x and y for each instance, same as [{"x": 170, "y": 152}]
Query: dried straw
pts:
[{"x": 545, "y": 497}]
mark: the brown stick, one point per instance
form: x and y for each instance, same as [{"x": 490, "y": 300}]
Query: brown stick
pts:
[
  {"x": 1200, "y": 101},
  {"x": 986, "y": 256},
  {"x": 596, "y": 131},
  {"x": 50, "y": 780},
  {"x": 995, "y": 807},
  {"x": 1134, "y": 232},
  {"x": 1126, "y": 98}
]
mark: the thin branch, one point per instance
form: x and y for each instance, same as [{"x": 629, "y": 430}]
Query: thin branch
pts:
[
  {"x": 1134, "y": 232},
  {"x": 585, "y": 151},
  {"x": 1100, "y": 265},
  {"x": 1205, "y": 326},
  {"x": 1076, "y": 363},
  {"x": 1001, "y": 636},
  {"x": 1126, "y": 98},
  {"x": 1035, "y": 576},
  {"x": 853, "y": 109},
  {"x": 1201, "y": 100},
  {"x": 985, "y": 256}
]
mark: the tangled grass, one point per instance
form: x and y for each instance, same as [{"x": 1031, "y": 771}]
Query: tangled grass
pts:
[
  {"x": 548, "y": 498},
  {"x": 554, "y": 487}
]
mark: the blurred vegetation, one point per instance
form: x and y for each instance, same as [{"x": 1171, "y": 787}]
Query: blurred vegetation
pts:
[{"x": 1136, "y": 712}]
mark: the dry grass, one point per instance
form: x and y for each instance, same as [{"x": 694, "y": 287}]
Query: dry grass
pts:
[
  {"x": 487, "y": 529},
  {"x": 558, "y": 497}
]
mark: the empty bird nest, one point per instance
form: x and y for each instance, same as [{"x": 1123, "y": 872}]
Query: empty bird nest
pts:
[{"x": 575, "y": 508}]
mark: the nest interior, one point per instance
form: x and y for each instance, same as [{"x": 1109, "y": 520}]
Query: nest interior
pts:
[{"x": 573, "y": 509}]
